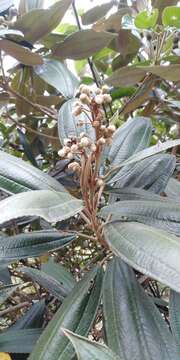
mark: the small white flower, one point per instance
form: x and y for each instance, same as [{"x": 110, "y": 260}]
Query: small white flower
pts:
[{"x": 99, "y": 99}]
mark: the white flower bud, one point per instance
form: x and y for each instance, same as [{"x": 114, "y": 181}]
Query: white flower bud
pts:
[
  {"x": 98, "y": 91},
  {"x": 102, "y": 141},
  {"x": 77, "y": 110},
  {"x": 85, "y": 99},
  {"x": 112, "y": 128},
  {"x": 62, "y": 153},
  {"x": 107, "y": 98},
  {"x": 85, "y": 142},
  {"x": 67, "y": 142},
  {"x": 105, "y": 89},
  {"x": 93, "y": 147},
  {"x": 74, "y": 148},
  {"x": 70, "y": 155},
  {"x": 99, "y": 99},
  {"x": 74, "y": 166},
  {"x": 82, "y": 134},
  {"x": 84, "y": 89},
  {"x": 100, "y": 182},
  {"x": 103, "y": 127}
]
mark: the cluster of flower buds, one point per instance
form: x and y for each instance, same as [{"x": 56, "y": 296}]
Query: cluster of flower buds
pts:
[{"x": 89, "y": 98}]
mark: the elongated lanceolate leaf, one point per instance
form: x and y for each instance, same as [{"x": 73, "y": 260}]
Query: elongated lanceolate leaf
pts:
[
  {"x": 19, "y": 341},
  {"x": 32, "y": 319},
  {"x": 32, "y": 244},
  {"x": 52, "y": 285},
  {"x": 6, "y": 291},
  {"x": 152, "y": 173},
  {"x": 77, "y": 313},
  {"x": 134, "y": 327},
  {"x": 174, "y": 314},
  {"x": 70, "y": 125},
  {"x": 16, "y": 175},
  {"x": 96, "y": 13},
  {"x": 57, "y": 75},
  {"x": 132, "y": 193},
  {"x": 130, "y": 138},
  {"x": 23, "y": 55},
  {"x": 50, "y": 205},
  {"x": 173, "y": 188},
  {"x": 89, "y": 350},
  {"x": 158, "y": 213},
  {"x": 58, "y": 272},
  {"x": 151, "y": 251}
]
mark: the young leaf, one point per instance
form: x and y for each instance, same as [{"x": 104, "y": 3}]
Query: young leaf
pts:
[
  {"x": 157, "y": 213},
  {"x": 146, "y": 21},
  {"x": 171, "y": 16},
  {"x": 77, "y": 313},
  {"x": 174, "y": 314},
  {"x": 57, "y": 75},
  {"x": 32, "y": 244},
  {"x": 50, "y": 205},
  {"x": 134, "y": 317},
  {"x": 16, "y": 174},
  {"x": 151, "y": 251},
  {"x": 131, "y": 137},
  {"x": 89, "y": 350}
]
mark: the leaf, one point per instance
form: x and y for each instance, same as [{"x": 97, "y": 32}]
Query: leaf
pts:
[
  {"x": 5, "y": 31},
  {"x": 151, "y": 174},
  {"x": 97, "y": 12},
  {"x": 19, "y": 341},
  {"x": 76, "y": 313},
  {"x": 133, "y": 193},
  {"x": 57, "y": 75},
  {"x": 131, "y": 137},
  {"x": 157, "y": 213},
  {"x": 27, "y": 5},
  {"x": 70, "y": 125},
  {"x": 33, "y": 318},
  {"x": 173, "y": 188},
  {"x": 126, "y": 43},
  {"x": 144, "y": 20},
  {"x": 144, "y": 154},
  {"x": 89, "y": 350},
  {"x": 31, "y": 244},
  {"x": 82, "y": 44},
  {"x": 51, "y": 206},
  {"x": 174, "y": 315},
  {"x": 134, "y": 317},
  {"x": 151, "y": 251},
  {"x": 59, "y": 273},
  {"x": 113, "y": 22},
  {"x": 48, "y": 282},
  {"x": 16, "y": 175},
  {"x": 23, "y": 55},
  {"x": 39, "y": 22},
  {"x": 171, "y": 16},
  {"x": 5, "y": 4},
  {"x": 130, "y": 75},
  {"x": 26, "y": 147}
]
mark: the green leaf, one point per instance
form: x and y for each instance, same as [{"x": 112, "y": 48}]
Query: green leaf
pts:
[
  {"x": 97, "y": 12},
  {"x": 50, "y": 205},
  {"x": 144, "y": 154},
  {"x": 89, "y": 350},
  {"x": 77, "y": 313},
  {"x": 129, "y": 313},
  {"x": 171, "y": 16},
  {"x": 39, "y": 22},
  {"x": 59, "y": 273},
  {"x": 56, "y": 288},
  {"x": 27, "y": 5},
  {"x": 57, "y": 75},
  {"x": 173, "y": 188},
  {"x": 133, "y": 193},
  {"x": 151, "y": 174},
  {"x": 19, "y": 341},
  {"x": 82, "y": 44},
  {"x": 33, "y": 318},
  {"x": 70, "y": 125},
  {"x": 23, "y": 55},
  {"x": 31, "y": 244},
  {"x": 151, "y": 251},
  {"x": 174, "y": 315},
  {"x": 17, "y": 175},
  {"x": 144, "y": 20},
  {"x": 162, "y": 214},
  {"x": 6, "y": 291},
  {"x": 131, "y": 137}
]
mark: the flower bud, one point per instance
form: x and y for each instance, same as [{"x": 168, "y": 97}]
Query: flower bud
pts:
[
  {"x": 99, "y": 99},
  {"x": 105, "y": 89},
  {"x": 95, "y": 123},
  {"x": 74, "y": 166},
  {"x": 67, "y": 142},
  {"x": 100, "y": 182},
  {"x": 102, "y": 141},
  {"x": 85, "y": 142},
  {"x": 85, "y": 99},
  {"x": 103, "y": 127},
  {"x": 62, "y": 153},
  {"x": 98, "y": 91},
  {"x": 107, "y": 98},
  {"x": 84, "y": 89},
  {"x": 77, "y": 110},
  {"x": 93, "y": 147},
  {"x": 70, "y": 155},
  {"x": 112, "y": 128},
  {"x": 74, "y": 148},
  {"x": 82, "y": 134}
]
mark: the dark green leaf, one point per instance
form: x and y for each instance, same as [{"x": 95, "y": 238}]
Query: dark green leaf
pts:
[
  {"x": 151, "y": 251},
  {"x": 82, "y": 44},
  {"x": 77, "y": 313},
  {"x": 174, "y": 314},
  {"x": 59, "y": 273},
  {"x": 19, "y": 341},
  {"x": 89, "y": 350},
  {"x": 33, "y": 318},
  {"x": 57, "y": 75},
  {"x": 129, "y": 313}
]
